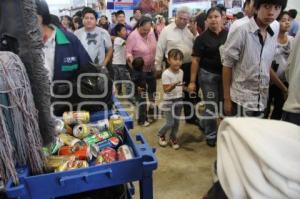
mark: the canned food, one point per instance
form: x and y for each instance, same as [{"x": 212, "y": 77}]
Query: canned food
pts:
[
  {"x": 121, "y": 139},
  {"x": 65, "y": 150},
  {"x": 115, "y": 116},
  {"x": 76, "y": 117},
  {"x": 102, "y": 125},
  {"x": 53, "y": 162},
  {"x": 69, "y": 129},
  {"x": 93, "y": 139},
  {"x": 116, "y": 124},
  {"x": 45, "y": 151},
  {"x": 81, "y": 152},
  {"x": 68, "y": 139},
  {"x": 99, "y": 160},
  {"x": 92, "y": 129},
  {"x": 81, "y": 131},
  {"x": 72, "y": 164},
  {"x": 59, "y": 126},
  {"x": 94, "y": 150},
  {"x": 115, "y": 142},
  {"x": 55, "y": 146},
  {"x": 125, "y": 153},
  {"x": 109, "y": 155},
  {"x": 112, "y": 142}
]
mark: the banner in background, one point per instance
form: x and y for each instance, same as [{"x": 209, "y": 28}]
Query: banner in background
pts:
[
  {"x": 120, "y": 4},
  {"x": 77, "y": 3},
  {"x": 146, "y": 6},
  {"x": 233, "y": 3},
  {"x": 216, "y": 2},
  {"x": 195, "y": 6},
  {"x": 153, "y": 6},
  {"x": 186, "y": 1}
]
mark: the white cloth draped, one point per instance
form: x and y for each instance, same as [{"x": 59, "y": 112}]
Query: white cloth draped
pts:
[{"x": 259, "y": 158}]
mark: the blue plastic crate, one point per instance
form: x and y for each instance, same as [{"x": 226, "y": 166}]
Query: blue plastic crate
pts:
[{"x": 51, "y": 185}]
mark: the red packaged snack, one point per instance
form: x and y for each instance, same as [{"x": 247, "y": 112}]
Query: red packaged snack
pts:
[
  {"x": 124, "y": 153},
  {"x": 82, "y": 152},
  {"x": 109, "y": 154}
]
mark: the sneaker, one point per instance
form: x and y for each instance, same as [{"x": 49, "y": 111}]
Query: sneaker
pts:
[
  {"x": 211, "y": 139},
  {"x": 145, "y": 124},
  {"x": 162, "y": 141},
  {"x": 151, "y": 120},
  {"x": 174, "y": 144},
  {"x": 211, "y": 142}
]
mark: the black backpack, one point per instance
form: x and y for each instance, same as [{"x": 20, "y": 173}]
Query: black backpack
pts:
[{"x": 89, "y": 85}]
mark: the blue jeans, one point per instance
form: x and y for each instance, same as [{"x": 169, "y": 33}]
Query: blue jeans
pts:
[
  {"x": 211, "y": 86},
  {"x": 172, "y": 113},
  {"x": 188, "y": 97}
]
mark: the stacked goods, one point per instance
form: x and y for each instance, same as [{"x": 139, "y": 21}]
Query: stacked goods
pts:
[{"x": 80, "y": 144}]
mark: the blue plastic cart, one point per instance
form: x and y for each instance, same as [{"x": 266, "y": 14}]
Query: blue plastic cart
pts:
[{"x": 51, "y": 185}]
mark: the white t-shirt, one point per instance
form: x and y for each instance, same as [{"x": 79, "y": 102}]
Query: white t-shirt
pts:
[
  {"x": 96, "y": 43},
  {"x": 169, "y": 77},
  {"x": 119, "y": 56}
]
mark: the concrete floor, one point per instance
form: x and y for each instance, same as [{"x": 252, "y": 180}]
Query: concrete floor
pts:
[{"x": 183, "y": 173}]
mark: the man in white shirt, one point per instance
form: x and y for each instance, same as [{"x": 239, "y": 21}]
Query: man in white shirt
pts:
[
  {"x": 65, "y": 58},
  {"x": 247, "y": 57},
  {"x": 95, "y": 40},
  {"x": 178, "y": 36}
]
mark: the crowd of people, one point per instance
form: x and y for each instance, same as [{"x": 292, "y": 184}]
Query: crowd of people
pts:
[{"x": 246, "y": 66}]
